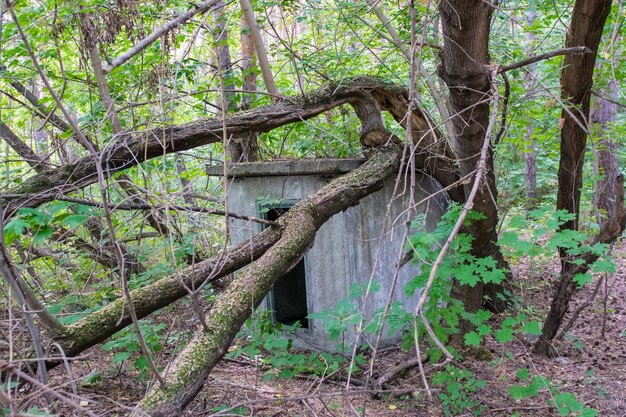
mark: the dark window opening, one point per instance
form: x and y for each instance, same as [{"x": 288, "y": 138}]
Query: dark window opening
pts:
[{"x": 289, "y": 291}]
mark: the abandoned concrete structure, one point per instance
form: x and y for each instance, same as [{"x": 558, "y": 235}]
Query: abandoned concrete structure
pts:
[{"x": 353, "y": 246}]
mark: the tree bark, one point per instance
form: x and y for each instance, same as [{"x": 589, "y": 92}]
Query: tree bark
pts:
[
  {"x": 298, "y": 228},
  {"x": 259, "y": 46},
  {"x": 466, "y": 26},
  {"x": 585, "y": 29},
  {"x": 602, "y": 115},
  {"x": 588, "y": 18}
]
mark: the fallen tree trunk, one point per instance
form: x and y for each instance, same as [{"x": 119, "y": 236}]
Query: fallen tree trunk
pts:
[
  {"x": 367, "y": 95},
  {"x": 102, "y": 324},
  {"x": 129, "y": 149},
  {"x": 299, "y": 226}
]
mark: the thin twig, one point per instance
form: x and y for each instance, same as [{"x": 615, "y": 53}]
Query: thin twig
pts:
[
  {"x": 68, "y": 368},
  {"x": 146, "y": 206},
  {"x": 81, "y": 138},
  {"x": 391, "y": 372},
  {"x": 580, "y": 309},
  {"x": 8, "y": 367},
  {"x": 609, "y": 99}
]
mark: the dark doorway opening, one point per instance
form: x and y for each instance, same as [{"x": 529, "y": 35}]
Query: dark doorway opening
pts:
[{"x": 288, "y": 297}]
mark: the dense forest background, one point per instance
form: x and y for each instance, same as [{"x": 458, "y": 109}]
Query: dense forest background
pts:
[{"x": 119, "y": 292}]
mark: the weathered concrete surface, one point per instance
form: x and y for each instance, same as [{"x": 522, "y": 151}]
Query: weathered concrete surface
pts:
[
  {"x": 350, "y": 247},
  {"x": 287, "y": 167}
]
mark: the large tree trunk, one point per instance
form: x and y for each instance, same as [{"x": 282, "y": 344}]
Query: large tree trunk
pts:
[
  {"x": 466, "y": 26},
  {"x": 298, "y": 226},
  {"x": 585, "y": 29}
]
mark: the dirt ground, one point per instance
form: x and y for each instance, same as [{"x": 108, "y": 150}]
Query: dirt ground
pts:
[{"x": 591, "y": 364}]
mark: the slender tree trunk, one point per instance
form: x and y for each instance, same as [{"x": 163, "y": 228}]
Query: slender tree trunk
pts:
[
  {"x": 602, "y": 115},
  {"x": 239, "y": 148},
  {"x": 248, "y": 144},
  {"x": 585, "y": 29},
  {"x": 530, "y": 154},
  {"x": 259, "y": 46},
  {"x": 222, "y": 52}
]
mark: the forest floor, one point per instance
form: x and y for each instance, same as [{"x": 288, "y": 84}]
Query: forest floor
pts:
[{"x": 591, "y": 365}]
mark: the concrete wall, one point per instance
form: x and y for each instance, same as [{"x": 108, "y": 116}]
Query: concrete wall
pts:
[{"x": 351, "y": 247}]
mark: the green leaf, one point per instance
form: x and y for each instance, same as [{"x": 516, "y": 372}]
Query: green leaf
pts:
[
  {"x": 43, "y": 233},
  {"x": 517, "y": 392},
  {"x": 473, "y": 339},
  {"x": 504, "y": 335},
  {"x": 532, "y": 327},
  {"x": 603, "y": 265},
  {"x": 566, "y": 403},
  {"x": 92, "y": 378},
  {"x": 14, "y": 229},
  {"x": 74, "y": 220},
  {"x": 484, "y": 329},
  {"x": 141, "y": 363},
  {"x": 120, "y": 357},
  {"x": 582, "y": 279},
  {"x": 588, "y": 412},
  {"x": 523, "y": 374}
]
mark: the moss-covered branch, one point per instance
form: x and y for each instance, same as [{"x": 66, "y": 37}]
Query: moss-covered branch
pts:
[
  {"x": 128, "y": 149},
  {"x": 100, "y": 325}
]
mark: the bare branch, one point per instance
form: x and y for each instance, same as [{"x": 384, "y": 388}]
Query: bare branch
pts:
[
  {"x": 146, "y": 206},
  {"x": 23, "y": 150},
  {"x": 609, "y": 99},
  {"x": 8, "y": 367},
  {"x": 565, "y": 51},
  {"x": 82, "y": 139},
  {"x": 39, "y": 108},
  {"x": 261, "y": 54},
  {"x": 145, "y": 42}
]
